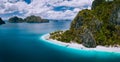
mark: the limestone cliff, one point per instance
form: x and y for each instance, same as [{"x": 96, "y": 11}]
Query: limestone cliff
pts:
[{"x": 98, "y": 26}]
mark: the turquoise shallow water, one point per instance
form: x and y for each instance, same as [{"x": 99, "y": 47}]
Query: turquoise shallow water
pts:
[
  {"x": 21, "y": 43},
  {"x": 88, "y": 55}
]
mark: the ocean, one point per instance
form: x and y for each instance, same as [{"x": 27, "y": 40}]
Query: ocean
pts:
[{"x": 21, "y": 42}]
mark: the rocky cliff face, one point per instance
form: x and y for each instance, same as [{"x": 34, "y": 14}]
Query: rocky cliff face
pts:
[
  {"x": 88, "y": 39},
  {"x": 109, "y": 8},
  {"x": 1, "y": 21},
  {"x": 98, "y": 26},
  {"x": 84, "y": 26},
  {"x": 115, "y": 16},
  {"x": 97, "y": 3}
]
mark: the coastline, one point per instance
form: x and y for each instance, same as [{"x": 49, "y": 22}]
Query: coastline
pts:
[{"x": 80, "y": 46}]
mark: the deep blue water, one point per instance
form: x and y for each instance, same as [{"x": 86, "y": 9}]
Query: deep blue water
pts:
[{"x": 20, "y": 42}]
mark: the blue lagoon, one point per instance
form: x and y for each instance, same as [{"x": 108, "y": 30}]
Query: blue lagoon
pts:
[{"x": 20, "y": 42}]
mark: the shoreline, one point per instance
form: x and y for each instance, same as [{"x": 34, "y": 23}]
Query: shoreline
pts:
[{"x": 80, "y": 46}]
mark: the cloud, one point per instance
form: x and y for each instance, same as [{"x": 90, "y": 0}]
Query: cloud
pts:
[
  {"x": 52, "y": 9},
  {"x": 12, "y": 6}
]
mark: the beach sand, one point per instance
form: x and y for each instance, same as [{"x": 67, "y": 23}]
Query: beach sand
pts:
[{"x": 80, "y": 46}]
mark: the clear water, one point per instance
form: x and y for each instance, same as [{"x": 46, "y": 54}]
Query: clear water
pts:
[{"x": 21, "y": 42}]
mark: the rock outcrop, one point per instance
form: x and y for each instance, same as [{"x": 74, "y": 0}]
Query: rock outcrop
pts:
[
  {"x": 115, "y": 16},
  {"x": 1, "y": 21},
  {"x": 88, "y": 39},
  {"x": 97, "y": 3}
]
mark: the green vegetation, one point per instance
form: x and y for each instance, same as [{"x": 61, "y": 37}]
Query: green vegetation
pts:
[
  {"x": 99, "y": 26},
  {"x": 35, "y": 19},
  {"x": 62, "y": 36},
  {"x": 1, "y": 21},
  {"x": 29, "y": 19},
  {"x": 32, "y": 19},
  {"x": 15, "y": 19}
]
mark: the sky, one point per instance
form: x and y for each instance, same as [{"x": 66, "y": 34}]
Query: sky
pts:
[{"x": 48, "y": 9}]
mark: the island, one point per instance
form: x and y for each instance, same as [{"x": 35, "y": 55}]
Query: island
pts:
[
  {"x": 35, "y": 19},
  {"x": 97, "y": 29},
  {"x": 15, "y": 19},
  {"x": 29, "y": 19},
  {"x": 1, "y": 21}
]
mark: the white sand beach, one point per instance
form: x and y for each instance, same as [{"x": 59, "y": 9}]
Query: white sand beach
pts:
[{"x": 80, "y": 46}]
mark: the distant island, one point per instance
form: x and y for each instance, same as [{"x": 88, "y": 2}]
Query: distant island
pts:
[
  {"x": 15, "y": 19},
  {"x": 29, "y": 19},
  {"x": 1, "y": 21},
  {"x": 98, "y": 26},
  {"x": 35, "y": 19}
]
